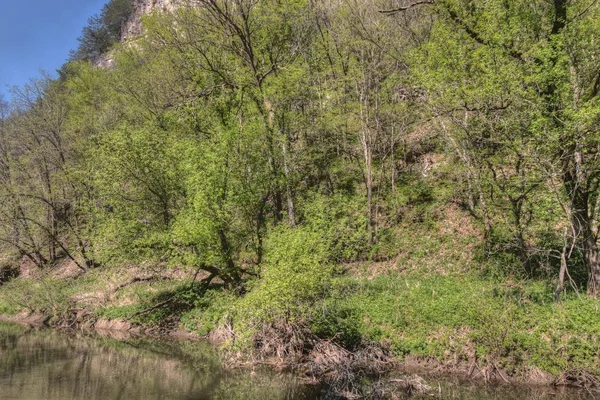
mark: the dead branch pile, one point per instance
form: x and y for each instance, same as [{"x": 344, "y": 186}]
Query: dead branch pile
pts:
[
  {"x": 412, "y": 385},
  {"x": 578, "y": 378},
  {"x": 344, "y": 371},
  {"x": 282, "y": 340}
]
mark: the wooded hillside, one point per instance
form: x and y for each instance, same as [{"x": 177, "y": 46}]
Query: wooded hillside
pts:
[
  {"x": 228, "y": 121},
  {"x": 272, "y": 146}
]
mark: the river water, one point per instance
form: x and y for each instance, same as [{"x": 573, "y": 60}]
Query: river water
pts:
[{"x": 38, "y": 364}]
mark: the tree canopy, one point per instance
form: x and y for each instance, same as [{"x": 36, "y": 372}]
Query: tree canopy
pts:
[{"x": 229, "y": 120}]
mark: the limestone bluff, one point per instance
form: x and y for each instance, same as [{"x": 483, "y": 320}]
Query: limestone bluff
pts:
[{"x": 133, "y": 26}]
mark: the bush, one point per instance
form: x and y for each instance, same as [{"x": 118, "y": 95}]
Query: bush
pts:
[
  {"x": 296, "y": 274},
  {"x": 210, "y": 310},
  {"x": 342, "y": 222},
  {"x": 7, "y": 273},
  {"x": 46, "y": 296}
]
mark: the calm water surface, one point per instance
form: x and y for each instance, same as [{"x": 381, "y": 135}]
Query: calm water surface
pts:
[{"x": 44, "y": 364}]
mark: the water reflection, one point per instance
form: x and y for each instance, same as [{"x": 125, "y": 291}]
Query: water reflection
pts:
[
  {"x": 43, "y": 364},
  {"x": 49, "y": 365},
  {"x": 448, "y": 388}
]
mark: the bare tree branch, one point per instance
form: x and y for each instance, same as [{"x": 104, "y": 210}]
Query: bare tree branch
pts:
[{"x": 404, "y": 8}]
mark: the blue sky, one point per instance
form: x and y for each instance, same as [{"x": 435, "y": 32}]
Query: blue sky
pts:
[{"x": 37, "y": 35}]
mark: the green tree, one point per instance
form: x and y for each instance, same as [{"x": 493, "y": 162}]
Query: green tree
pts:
[
  {"x": 103, "y": 31},
  {"x": 40, "y": 197},
  {"x": 531, "y": 59}
]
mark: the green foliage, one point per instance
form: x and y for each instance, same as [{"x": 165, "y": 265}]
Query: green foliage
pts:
[
  {"x": 463, "y": 317},
  {"x": 342, "y": 224},
  {"x": 296, "y": 275},
  {"x": 210, "y": 310},
  {"x": 48, "y": 296},
  {"x": 335, "y": 319},
  {"x": 139, "y": 188},
  {"x": 279, "y": 147},
  {"x": 112, "y": 313},
  {"x": 103, "y": 30}
]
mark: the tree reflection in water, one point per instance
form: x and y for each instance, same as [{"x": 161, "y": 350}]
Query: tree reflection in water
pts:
[
  {"x": 49, "y": 365},
  {"x": 43, "y": 364}
]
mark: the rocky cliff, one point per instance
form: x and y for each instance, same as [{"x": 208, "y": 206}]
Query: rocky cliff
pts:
[{"x": 133, "y": 26}]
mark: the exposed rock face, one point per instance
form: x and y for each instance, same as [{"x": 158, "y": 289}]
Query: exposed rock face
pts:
[
  {"x": 105, "y": 61},
  {"x": 133, "y": 26}
]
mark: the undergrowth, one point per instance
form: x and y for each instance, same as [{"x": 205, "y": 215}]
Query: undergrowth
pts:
[{"x": 436, "y": 300}]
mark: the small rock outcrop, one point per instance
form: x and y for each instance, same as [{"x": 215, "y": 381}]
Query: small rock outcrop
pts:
[{"x": 133, "y": 26}]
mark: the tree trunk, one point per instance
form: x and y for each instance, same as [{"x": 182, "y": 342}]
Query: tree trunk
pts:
[
  {"x": 590, "y": 250},
  {"x": 587, "y": 240},
  {"x": 270, "y": 119},
  {"x": 369, "y": 183},
  {"x": 365, "y": 137},
  {"x": 563, "y": 270},
  {"x": 288, "y": 187}
]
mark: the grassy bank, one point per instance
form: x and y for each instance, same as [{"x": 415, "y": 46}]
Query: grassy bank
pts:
[
  {"x": 435, "y": 304},
  {"x": 463, "y": 322},
  {"x": 430, "y": 297}
]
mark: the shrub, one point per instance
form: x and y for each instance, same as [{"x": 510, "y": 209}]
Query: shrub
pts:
[
  {"x": 342, "y": 222},
  {"x": 296, "y": 275}
]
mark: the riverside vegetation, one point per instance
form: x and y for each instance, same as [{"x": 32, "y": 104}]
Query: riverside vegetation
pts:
[{"x": 336, "y": 185}]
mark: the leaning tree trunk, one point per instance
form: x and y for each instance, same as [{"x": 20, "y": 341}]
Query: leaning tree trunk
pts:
[
  {"x": 590, "y": 255},
  {"x": 589, "y": 249},
  {"x": 586, "y": 238}
]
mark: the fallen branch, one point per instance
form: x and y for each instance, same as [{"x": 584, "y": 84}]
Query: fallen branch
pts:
[
  {"x": 205, "y": 282},
  {"x": 136, "y": 280},
  {"x": 404, "y": 8},
  {"x": 150, "y": 309},
  {"x": 499, "y": 371}
]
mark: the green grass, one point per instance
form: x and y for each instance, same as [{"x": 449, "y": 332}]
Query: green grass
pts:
[
  {"x": 434, "y": 301},
  {"x": 449, "y": 318},
  {"x": 458, "y": 316},
  {"x": 112, "y": 312}
]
